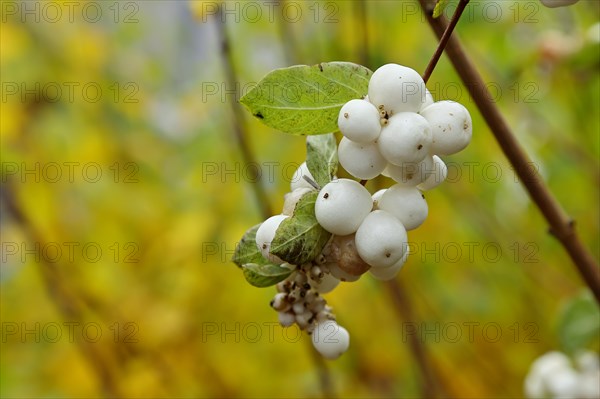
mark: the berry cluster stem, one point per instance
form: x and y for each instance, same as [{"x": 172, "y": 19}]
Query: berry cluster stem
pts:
[
  {"x": 561, "y": 226},
  {"x": 444, "y": 39}
]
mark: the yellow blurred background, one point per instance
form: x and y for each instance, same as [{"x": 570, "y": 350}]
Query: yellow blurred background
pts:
[{"x": 124, "y": 194}]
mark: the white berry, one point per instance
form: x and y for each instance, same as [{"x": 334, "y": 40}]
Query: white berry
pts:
[
  {"x": 388, "y": 273},
  {"x": 298, "y": 180},
  {"x": 266, "y": 233},
  {"x": 411, "y": 173},
  {"x": 381, "y": 239},
  {"x": 407, "y": 204},
  {"x": 558, "y": 3},
  {"x": 330, "y": 339},
  {"x": 397, "y": 89},
  {"x": 342, "y": 205},
  {"x": 361, "y": 160},
  {"x": 359, "y": 121},
  {"x": 406, "y": 138},
  {"x": 435, "y": 176},
  {"x": 451, "y": 127}
]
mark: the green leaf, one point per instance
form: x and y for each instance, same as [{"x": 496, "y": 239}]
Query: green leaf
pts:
[
  {"x": 246, "y": 251},
  {"x": 306, "y": 100},
  {"x": 300, "y": 238},
  {"x": 439, "y": 8},
  {"x": 321, "y": 157},
  {"x": 265, "y": 275},
  {"x": 579, "y": 323}
]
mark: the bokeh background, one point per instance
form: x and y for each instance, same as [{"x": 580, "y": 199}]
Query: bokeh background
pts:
[{"x": 124, "y": 193}]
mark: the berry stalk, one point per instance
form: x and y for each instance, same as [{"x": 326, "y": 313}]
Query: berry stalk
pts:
[{"x": 444, "y": 39}]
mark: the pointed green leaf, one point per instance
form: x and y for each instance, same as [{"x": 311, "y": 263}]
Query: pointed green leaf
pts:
[
  {"x": 265, "y": 275},
  {"x": 321, "y": 157},
  {"x": 439, "y": 8},
  {"x": 580, "y": 323},
  {"x": 300, "y": 238},
  {"x": 306, "y": 100},
  {"x": 246, "y": 251}
]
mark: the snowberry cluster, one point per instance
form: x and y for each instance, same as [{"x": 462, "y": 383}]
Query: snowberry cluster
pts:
[
  {"x": 396, "y": 130},
  {"x": 552, "y": 375}
]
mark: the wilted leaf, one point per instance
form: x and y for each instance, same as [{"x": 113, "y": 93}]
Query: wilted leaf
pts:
[
  {"x": 321, "y": 157},
  {"x": 300, "y": 238},
  {"x": 265, "y": 275},
  {"x": 304, "y": 99}
]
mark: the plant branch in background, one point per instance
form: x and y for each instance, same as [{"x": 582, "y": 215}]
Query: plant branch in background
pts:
[
  {"x": 68, "y": 304},
  {"x": 240, "y": 133},
  {"x": 561, "y": 226},
  {"x": 429, "y": 383},
  {"x": 239, "y": 126}
]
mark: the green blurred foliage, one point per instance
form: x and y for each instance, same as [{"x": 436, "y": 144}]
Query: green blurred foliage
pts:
[{"x": 176, "y": 317}]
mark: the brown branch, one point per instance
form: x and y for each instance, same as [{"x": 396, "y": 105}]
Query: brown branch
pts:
[
  {"x": 561, "y": 226},
  {"x": 239, "y": 126},
  {"x": 429, "y": 384},
  {"x": 444, "y": 39},
  {"x": 325, "y": 381}
]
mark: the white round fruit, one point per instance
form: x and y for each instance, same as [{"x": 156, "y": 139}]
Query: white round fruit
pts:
[
  {"x": 265, "y": 234},
  {"x": 359, "y": 120},
  {"x": 558, "y": 3},
  {"x": 397, "y": 88},
  {"x": 406, "y": 138},
  {"x": 411, "y": 173},
  {"x": 406, "y": 203},
  {"x": 436, "y": 176},
  {"x": 342, "y": 205},
  {"x": 330, "y": 339},
  {"x": 451, "y": 127},
  {"x": 388, "y": 273},
  {"x": 563, "y": 383},
  {"x": 361, "y": 160},
  {"x": 298, "y": 180},
  {"x": 381, "y": 239}
]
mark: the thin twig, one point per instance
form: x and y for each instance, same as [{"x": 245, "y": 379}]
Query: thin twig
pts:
[
  {"x": 561, "y": 226},
  {"x": 67, "y": 303},
  {"x": 429, "y": 384},
  {"x": 325, "y": 380},
  {"x": 286, "y": 34},
  {"x": 362, "y": 31},
  {"x": 239, "y": 126},
  {"x": 444, "y": 39},
  {"x": 261, "y": 196}
]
